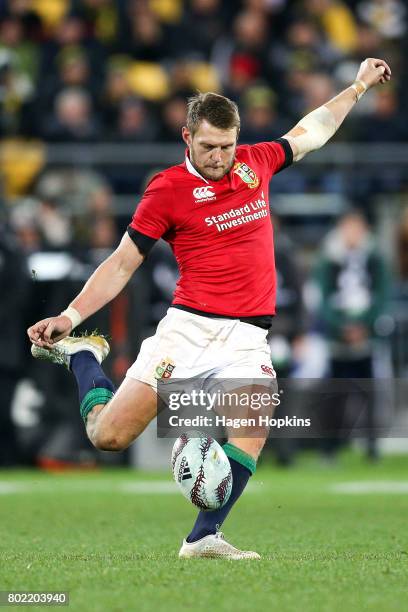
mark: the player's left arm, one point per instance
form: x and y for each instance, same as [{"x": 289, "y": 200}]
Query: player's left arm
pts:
[{"x": 316, "y": 128}]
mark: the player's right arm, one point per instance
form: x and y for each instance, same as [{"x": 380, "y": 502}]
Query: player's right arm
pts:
[{"x": 104, "y": 285}]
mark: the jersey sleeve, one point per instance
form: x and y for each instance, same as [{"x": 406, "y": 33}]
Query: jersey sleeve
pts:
[
  {"x": 153, "y": 215},
  {"x": 273, "y": 156}
]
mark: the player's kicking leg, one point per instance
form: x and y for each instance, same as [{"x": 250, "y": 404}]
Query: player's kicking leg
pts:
[{"x": 112, "y": 419}]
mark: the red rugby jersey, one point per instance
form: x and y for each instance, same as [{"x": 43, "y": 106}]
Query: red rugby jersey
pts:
[{"x": 219, "y": 231}]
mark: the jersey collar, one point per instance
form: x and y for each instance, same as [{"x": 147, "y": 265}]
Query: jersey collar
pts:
[{"x": 192, "y": 170}]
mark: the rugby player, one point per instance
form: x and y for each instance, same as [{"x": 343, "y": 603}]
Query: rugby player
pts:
[{"x": 213, "y": 210}]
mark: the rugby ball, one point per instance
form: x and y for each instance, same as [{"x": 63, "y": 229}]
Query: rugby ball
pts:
[{"x": 202, "y": 470}]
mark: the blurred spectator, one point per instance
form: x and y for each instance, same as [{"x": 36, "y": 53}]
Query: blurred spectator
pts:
[
  {"x": 72, "y": 34},
  {"x": 202, "y": 25},
  {"x": 180, "y": 79},
  {"x": 287, "y": 331},
  {"x": 353, "y": 279},
  {"x": 13, "y": 91},
  {"x": 104, "y": 235},
  {"x": 289, "y": 327},
  {"x": 23, "y": 53},
  {"x": 134, "y": 123},
  {"x": 74, "y": 67},
  {"x": 73, "y": 120},
  {"x": 72, "y": 71},
  {"x": 301, "y": 48},
  {"x": 318, "y": 89},
  {"x": 388, "y": 17},
  {"x": 41, "y": 225},
  {"x": 50, "y": 13},
  {"x": 83, "y": 196},
  {"x": 29, "y": 17},
  {"x": 102, "y": 240},
  {"x": 54, "y": 224},
  {"x": 14, "y": 284},
  {"x": 104, "y": 17},
  {"x": 369, "y": 42},
  {"x": 24, "y": 221},
  {"x": 385, "y": 123},
  {"x": 117, "y": 89},
  {"x": 162, "y": 271},
  {"x": 18, "y": 73},
  {"x": 402, "y": 250},
  {"x": 292, "y": 58},
  {"x": 337, "y": 21},
  {"x": 146, "y": 37},
  {"x": 307, "y": 90},
  {"x": 260, "y": 118},
  {"x": 400, "y": 292},
  {"x": 80, "y": 191},
  {"x": 263, "y": 6},
  {"x": 241, "y": 57},
  {"x": 173, "y": 119}
]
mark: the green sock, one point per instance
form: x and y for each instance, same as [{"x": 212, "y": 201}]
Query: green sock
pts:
[
  {"x": 240, "y": 456},
  {"x": 94, "y": 397}
]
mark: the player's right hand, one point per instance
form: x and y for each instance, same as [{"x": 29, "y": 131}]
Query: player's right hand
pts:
[{"x": 47, "y": 332}]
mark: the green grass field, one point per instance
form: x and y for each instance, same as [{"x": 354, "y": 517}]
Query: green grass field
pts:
[{"x": 112, "y": 542}]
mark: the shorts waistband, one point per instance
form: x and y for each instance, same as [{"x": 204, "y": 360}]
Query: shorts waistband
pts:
[{"x": 263, "y": 321}]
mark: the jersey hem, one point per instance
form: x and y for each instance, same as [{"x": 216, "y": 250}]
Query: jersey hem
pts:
[{"x": 224, "y": 315}]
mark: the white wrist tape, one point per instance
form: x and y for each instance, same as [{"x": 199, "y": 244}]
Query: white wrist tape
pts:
[
  {"x": 319, "y": 126},
  {"x": 73, "y": 315},
  {"x": 360, "y": 88}
]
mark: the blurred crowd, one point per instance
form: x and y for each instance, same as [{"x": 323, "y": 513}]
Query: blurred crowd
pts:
[
  {"x": 119, "y": 72},
  {"x": 97, "y": 70}
]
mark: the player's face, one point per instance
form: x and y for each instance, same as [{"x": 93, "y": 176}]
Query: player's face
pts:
[{"x": 212, "y": 150}]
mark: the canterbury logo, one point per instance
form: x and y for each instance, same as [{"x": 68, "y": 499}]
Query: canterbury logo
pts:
[
  {"x": 268, "y": 370},
  {"x": 203, "y": 193}
]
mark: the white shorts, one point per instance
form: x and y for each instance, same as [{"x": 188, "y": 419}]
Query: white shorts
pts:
[{"x": 187, "y": 346}]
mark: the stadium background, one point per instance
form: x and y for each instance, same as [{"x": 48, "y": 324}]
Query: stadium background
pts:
[{"x": 92, "y": 97}]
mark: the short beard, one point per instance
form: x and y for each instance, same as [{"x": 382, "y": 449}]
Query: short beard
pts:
[{"x": 207, "y": 176}]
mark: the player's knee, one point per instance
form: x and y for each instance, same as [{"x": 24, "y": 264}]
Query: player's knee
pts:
[{"x": 109, "y": 441}]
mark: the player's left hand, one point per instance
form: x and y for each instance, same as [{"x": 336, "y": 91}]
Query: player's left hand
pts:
[
  {"x": 373, "y": 71},
  {"x": 47, "y": 332}
]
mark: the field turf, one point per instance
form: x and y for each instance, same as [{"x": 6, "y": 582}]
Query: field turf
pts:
[{"x": 112, "y": 541}]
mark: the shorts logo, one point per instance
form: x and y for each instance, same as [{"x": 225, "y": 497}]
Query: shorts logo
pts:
[
  {"x": 268, "y": 370},
  {"x": 246, "y": 174},
  {"x": 164, "y": 369},
  {"x": 203, "y": 194}
]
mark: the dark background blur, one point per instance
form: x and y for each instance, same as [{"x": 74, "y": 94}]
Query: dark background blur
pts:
[{"x": 93, "y": 97}]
